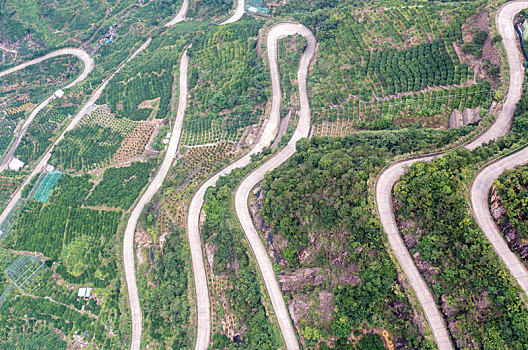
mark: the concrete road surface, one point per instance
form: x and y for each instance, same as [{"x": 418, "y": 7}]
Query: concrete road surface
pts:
[
  {"x": 479, "y": 201},
  {"x": 44, "y": 160},
  {"x": 80, "y": 54},
  {"x": 239, "y": 12},
  {"x": 88, "y": 66},
  {"x": 193, "y": 219},
  {"x": 481, "y": 185},
  {"x": 242, "y": 194},
  {"x": 390, "y": 176},
  {"x": 181, "y": 14},
  {"x": 128, "y": 243}
]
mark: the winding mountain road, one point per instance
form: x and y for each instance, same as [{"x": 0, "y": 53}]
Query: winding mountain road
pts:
[
  {"x": 88, "y": 66},
  {"x": 481, "y": 185},
  {"x": 128, "y": 243},
  {"x": 269, "y": 132},
  {"x": 479, "y": 191},
  {"x": 239, "y": 12},
  {"x": 180, "y": 16},
  {"x": 242, "y": 193},
  {"x": 386, "y": 180},
  {"x": 80, "y": 54},
  {"x": 44, "y": 160}
]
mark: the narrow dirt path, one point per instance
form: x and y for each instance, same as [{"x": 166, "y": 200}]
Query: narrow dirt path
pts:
[
  {"x": 128, "y": 245},
  {"x": 386, "y": 180}
]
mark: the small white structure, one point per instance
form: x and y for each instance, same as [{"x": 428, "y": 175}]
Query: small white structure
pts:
[
  {"x": 59, "y": 93},
  {"x": 90, "y": 109},
  {"x": 49, "y": 168},
  {"x": 84, "y": 292},
  {"x": 16, "y": 164}
]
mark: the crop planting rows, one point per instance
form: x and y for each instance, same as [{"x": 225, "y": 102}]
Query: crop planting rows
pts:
[
  {"x": 102, "y": 116},
  {"x": 356, "y": 114},
  {"x": 137, "y": 90},
  {"x": 208, "y": 129},
  {"x": 202, "y": 160},
  {"x": 196, "y": 163},
  {"x": 93, "y": 143},
  {"x": 8, "y": 186},
  {"x": 289, "y": 54},
  {"x": 228, "y": 85},
  {"x": 41, "y": 131},
  {"x": 17, "y": 110},
  {"x": 5, "y": 294},
  {"x": 135, "y": 142},
  {"x": 413, "y": 57},
  {"x": 172, "y": 212},
  {"x": 46, "y": 75}
]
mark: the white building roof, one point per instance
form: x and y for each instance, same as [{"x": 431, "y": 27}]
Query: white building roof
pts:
[
  {"x": 84, "y": 292},
  {"x": 16, "y": 164},
  {"x": 89, "y": 109},
  {"x": 59, "y": 93}
]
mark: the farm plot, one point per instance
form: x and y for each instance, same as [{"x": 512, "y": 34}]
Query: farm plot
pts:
[
  {"x": 39, "y": 81},
  {"x": 44, "y": 185},
  {"x": 120, "y": 187},
  {"x": 133, "y": 145},
  {"x": 40, "y": 133},
  {"x": 19, "y": 92},
  {"x": 228, "y": 84},
  {"x": 289, "y": 54},
  {"x": 9, "y": 182},
  {"x": 26, "y": 272},
  {"x": 387, "y": 64},
  {"x": 48, "y": 123},
  {"x": 202, "y": 160},
  {"x": 428, "y": 109},
  {"x": 144, "y": 90},
  {"x": 93, "y": 142},
  {"x": 57, "y": 230},
  {"x": 229, "y": 127}
]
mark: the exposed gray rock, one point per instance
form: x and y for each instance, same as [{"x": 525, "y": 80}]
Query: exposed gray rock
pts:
[{"x": 459, "y": 119}]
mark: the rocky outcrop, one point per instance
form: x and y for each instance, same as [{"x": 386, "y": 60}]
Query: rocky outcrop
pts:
[
  {"x": 298, "y": 279},
  {"x": 514, "y": 240},
  {"x": 459, "y": 119}
]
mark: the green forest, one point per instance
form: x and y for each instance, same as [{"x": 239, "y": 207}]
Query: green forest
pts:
[
  {"x": 468, "y": 281},
  {"x": 320, "y": 215},
  {"x": 472, "y": 287},
  {"x": 166, "y": 306},
  {"x": 512, "y": 189}
]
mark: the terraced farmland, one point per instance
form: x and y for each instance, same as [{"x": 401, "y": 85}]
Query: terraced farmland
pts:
[
  {"x": 386, "y": 67},
  {"x": 227, "y": 85},
  {"x": 93, "y": 143}
]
